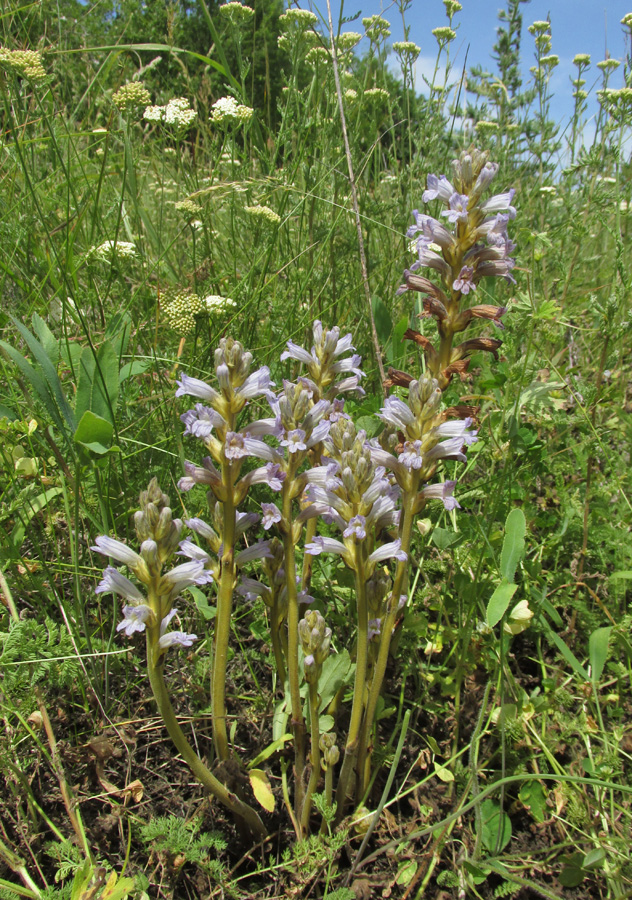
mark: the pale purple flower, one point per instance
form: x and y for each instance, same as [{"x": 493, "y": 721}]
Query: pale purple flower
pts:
[
  {"x": 500, "y": 203},
  {"x": 375, "y": 628},
  {"x": 356, "y": 528},
  {"x": 320, "y": 545},
  {"x": 412, "y": 457},
  {"x": 438, "y": 187},
  {"x": 430, "y": 230},
  {"x": 350, "y": 364},
  {"x": 294, "y": 351},
  {"x": 397, "y": 413},
  {"x": 497, "y": 267},
  {"x": 176, "y": 638},
  {"x": 318, "y": 434},
  {"x": 350, "y": 384},
  {"x": 185, "y": 575},
  {"x": 199, "y": 526},
  {"x": 464, "y": 282},
  {"x": 204, "y": 474},
  {"x": 260, "y": 550},
  {"x": 192, "y": 551},
  {"x": 250, "y": 588},
  {"x": 487, "y": 173},
  {"x": 117, "y": 550},
  {"x": 442, "y": 491},
  {"x": 392, "y": 550},
  {"x": 193, "y": 387},
  {"x": 450, "y": 449},
  {"x": 271, "y": 515},
  {"x": 256, "y": 384},
  {"x": 458, "y": 428},
  {"x": 243, "y": 521},
  {"x": 431, "y": 259},
  {"x": 234, "y": 445},
  {"x": 270, "y": 474},
  {"x": 135, "y": 618},
  {"x": 295, "y": 441},
  {"x": 457, "y": 211},
  {"x": 114, "y": 582},
  {"x": 200, "y": 421}
]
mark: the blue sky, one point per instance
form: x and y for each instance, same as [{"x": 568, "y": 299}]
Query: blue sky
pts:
[{"x": 577, "y": 26}]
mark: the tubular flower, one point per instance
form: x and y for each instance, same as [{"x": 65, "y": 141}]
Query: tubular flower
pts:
[
  {"x": 476, "y": 247},
  {"x": 324, "y": 363}
]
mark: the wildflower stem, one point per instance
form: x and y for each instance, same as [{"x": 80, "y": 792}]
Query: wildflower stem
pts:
[
  {"x": 399, "y": 583},
  {"x": 155, "y": 666},
  {"x": 222, "y": 620},
  {"x": 359, "y": 689},
  {"x": 298, "y": 723},
  {"x": 314, "y": 756}
]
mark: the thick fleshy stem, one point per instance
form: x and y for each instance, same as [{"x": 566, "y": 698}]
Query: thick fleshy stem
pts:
[
  {"x": 277, "y": 644},
  {"x": 409, "y": 499},
  {"x": 359, "y": 688},
  {"x": 314, "y": 756},
  {"x": 222, "y": 620},
  {"x": 155, "y": 666},
  {"x": 298, "y": 723}
]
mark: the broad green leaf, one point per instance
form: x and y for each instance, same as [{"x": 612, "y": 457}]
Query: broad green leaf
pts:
[
  {"x": 594, "y": 859},
  {"x": 478, "y": 873},
  {"x": 573, "y": 873},
  {"x": 49, "y": 372},
  {"x": 495, "y": 826},
  {"x": 261, "y": 789},
  {"x": 118, "y": 331},
  {"x": 598, "y": 651},
  {"x": 117, "y": 888},
  {"x": 94, "y": 433},
  {"x": 443, "y": 774},
  {"x": 6, "y": 413},
  {"x": 39, "y": 385},
  {"x": 513, "y": 543},
  {"x": 533, "y": 797},
  {"x": 337, "y": 670},
  {"x": 98, "y": 384},
  {"x": 135, "y": 367},
  {"x": 444, "y": 538},
  {"x": 499, "y": 602},
  {"x": 202, "y": 604},
  {"x": 46, "y": 337},
  {"x": 623, "y": 573}
]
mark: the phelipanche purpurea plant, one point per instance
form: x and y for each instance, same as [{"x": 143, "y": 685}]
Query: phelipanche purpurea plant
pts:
[{"x": 358, "y": 499}]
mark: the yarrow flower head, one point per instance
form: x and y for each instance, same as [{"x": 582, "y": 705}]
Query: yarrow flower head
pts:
[
  {"x": 131, "y": 97},
  {"x": 301, "y": 18},
  {"x": 227, "y": 111},
  {"x": 581, "y": 59},
  {"x": 444, "y": 34},
  {"x": 407, "y": 50},
  {"x": 176, "y": 113},
  {"x": 236, "y": 13},
  {"x": 214, "y": 303},
  {"x": 108, "y": 250},
  {"x": 181, "y": 309},
  {"x": 25, "y": 64},
  {"x": 376, "y": 28},
  {"x": 263, "y": 214}
]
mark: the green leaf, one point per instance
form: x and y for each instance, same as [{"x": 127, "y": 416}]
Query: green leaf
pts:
[
  {"x": 594, "y": 859},
  {"x": 98, "y": 385},
  {"x": 47, "y": 339},
  {"x": 572, "y": 874},
  {"x": 135, "y": 367},
  {"x": 598, "y": 651},
  {"x": 39, "y": 385},
  {"x": 383, "y": 322},
  {"x": 443, "y": 774},
  {"x": 337, "y": 670},
  {"x": 407, "y": 873},
  {"x": 49, "y": 372},
  {"x": 623, "y": 573},
  {"x": 495, "y": 826},
  {"x": 533, "y": 797},
  {"x": 270, "y": 750},
  {"x": 478, "y": 873},
  {"x": 202, "y": 604},
  {"x": 513, "y": 543},
  {"x": 499, "y": 602},
  {"x": 94, "y": 433},
  {"x": 444, "y": 537}
]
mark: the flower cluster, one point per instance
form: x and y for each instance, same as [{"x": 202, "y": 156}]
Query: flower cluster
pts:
[
  {"x": 25, "y": 63},
  {"x": 407, "y": 50},
  {"x": 159, "y": 535},
  {"x": 181, "y": 308},
  {"x": 263, "y": 214},
  {"x": 109, "y": 249},
  {"x": 215, "y": 303},
  {"x": 236, "y": 13},
  {"x": 444, "y": 34},
  {"x": 475, "y": 247},
  {"x": 227, "y": 111},
  {"x": 176, "y": 114},
  {"x": 131, "y": 96},
  {"x": 376, "y": 28},
  {"x": 302, "y": 19},
  {"x": 189, "y": 208},
  {"x": 325, "y": 363}
]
